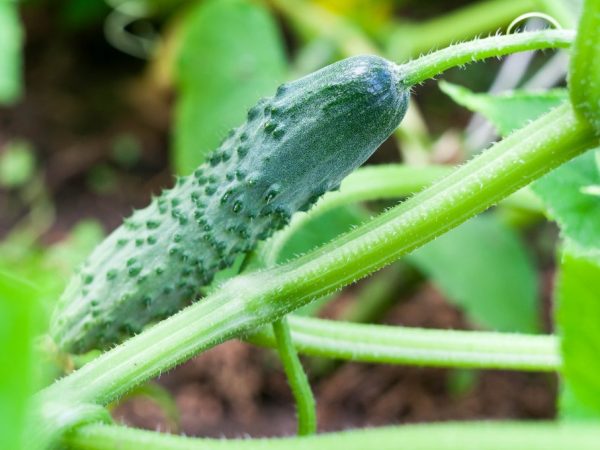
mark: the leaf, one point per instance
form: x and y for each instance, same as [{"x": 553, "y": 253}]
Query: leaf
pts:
[
  {"x": 508, "y": 111},
  {"x": 79, "y": 14},
  {"x": 569, "y": 193},
  {"x": 66, "y": 255},
  {"x": 17, "y": 164},
  {"x": 231, "y": 54},
  {"x": 16, "y": 331},
  {"x": 158, "y": 395},
  {"x": 10, "y": 52},
  {"x": 569, "y": 196},
  {"x": 316, "y": 232},
  {"x": 578, "y": 293},
  {"x": 48, "y": 268},
  {"x": 484, "y": 268},
  {"x": 322, "y": 229}
]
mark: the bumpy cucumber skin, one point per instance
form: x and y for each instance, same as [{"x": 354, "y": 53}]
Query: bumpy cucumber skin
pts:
[{"x": 294, "y": 147}]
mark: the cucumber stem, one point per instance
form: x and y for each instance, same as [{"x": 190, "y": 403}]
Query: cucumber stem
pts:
[
  {"x": 431, "y": 65},
  {"x": 439, "y": 436},
  {"x": 297, "y": 379},
  {"x": 386, "y": 344},
  {"x": 248, "y": 301}
]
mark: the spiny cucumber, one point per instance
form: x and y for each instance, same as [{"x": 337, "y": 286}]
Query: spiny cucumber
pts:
[{"x": 294, "y": 147}]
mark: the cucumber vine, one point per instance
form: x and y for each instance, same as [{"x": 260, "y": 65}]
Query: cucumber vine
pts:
[{"x": 70, "y": 411}]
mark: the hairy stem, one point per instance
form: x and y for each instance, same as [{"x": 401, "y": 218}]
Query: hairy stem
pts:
[
  {"x": 446, "y": 436},
  {"x": 428, "y": 66},
  {"x": 248, "y": 301},
  {"x": 388, "y": 181},
  {"x": 305, "y": 402},
  {"x": 417, "y": 346}
]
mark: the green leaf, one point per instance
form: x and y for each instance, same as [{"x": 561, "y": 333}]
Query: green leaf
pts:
[
  {"x": 231, "y": 54},
  {"x": 79, "y": 14},
  {"x": 10, "y": 52},
  {"x": 322, "y": 229},
  {"x": 483, "y": 267},
  {"x": 508, "y": 111},
  {"x": 16, "y": 362},
  {"x": 49, "y": 268},
  {"x": 569, "y": 194},
  {"x": 316, "y": 232},
  {"x": 161, "y": 397},
  {"x": 66, "y": 255},
  {"x": 17, "y": 164},
  {"x": 578, "y": 293}
]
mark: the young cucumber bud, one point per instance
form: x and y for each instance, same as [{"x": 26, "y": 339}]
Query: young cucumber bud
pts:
[{"x": 294, "y": 147}]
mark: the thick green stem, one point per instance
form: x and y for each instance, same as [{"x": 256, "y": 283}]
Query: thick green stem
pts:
[
  {"x": 446, "y": 436},
  {"x": 250, "y": 300},
  {"x": 428, "y": 66},
  {"x": 201, "y": 326},
  {"x": 416, "y": 346},
  {"x": 380, "y": 182},
  {"x": 305, "y": 402},
  {"x": 246, "y": 302},
  {"x": 368, "y": 183},
  {"x": 584, "y": 73}
]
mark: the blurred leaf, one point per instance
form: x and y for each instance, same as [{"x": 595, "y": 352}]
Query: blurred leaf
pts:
[
  {"x": 578, "y": 293},
  {"x": 10, "y": 52},
  {"x": 316, "y": 232},
  {"x": 569, "y": 193},
  {"x": 17, "y": 164},
  {"x": 311, "y": 21},
  {"x": 66, "y": 255},
  {"x": 311, "y": 57},
  {"x": 369, "y": 14},
  {"x": 569, "y": 196},
  {"x": 322, "y": 229},
  {"x": 565, "y": 11},
  {"x": 150, "y": 8},
  {"x": 483, "y": 268},
  {"x": 49, "y": 268},
  {"x": 161, "y": 397},
  {"x": 126, "y": 150},
  {"x": 404, "y": 40},
  {"x": 461, "y": 381},
  {"x": 78, "y": 14},
  {"x": 231, "y": 54},
  {"x": 102, "y": 179},
  {"x": 508, "y": 111},
  {"x": 17, "y": 323}
]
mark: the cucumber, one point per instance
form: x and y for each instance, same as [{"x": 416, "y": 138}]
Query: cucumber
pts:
[{"x": 294, "y": 147}]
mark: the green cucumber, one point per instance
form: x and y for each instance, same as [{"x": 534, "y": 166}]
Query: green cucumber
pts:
[{"x": 294, "y": 147}]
